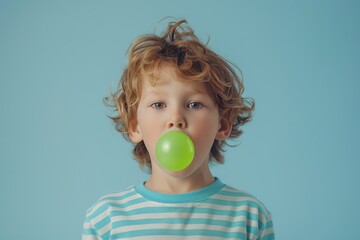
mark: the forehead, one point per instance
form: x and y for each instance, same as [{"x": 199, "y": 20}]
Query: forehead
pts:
[{"x": 166, "y": 76}]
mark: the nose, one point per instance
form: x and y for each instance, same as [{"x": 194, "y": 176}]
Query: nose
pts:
[{"x": 177, "y": 120}]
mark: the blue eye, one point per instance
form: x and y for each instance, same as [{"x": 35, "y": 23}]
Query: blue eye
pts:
[
  {"x": 194, "y": 105},
  {"x": 158, "y": 105}
]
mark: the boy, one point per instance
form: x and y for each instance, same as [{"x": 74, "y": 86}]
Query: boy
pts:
[{"x": 174, "y": 82}]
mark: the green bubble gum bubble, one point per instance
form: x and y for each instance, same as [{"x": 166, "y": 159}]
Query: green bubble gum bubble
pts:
[{"x": 174, "y": 151}]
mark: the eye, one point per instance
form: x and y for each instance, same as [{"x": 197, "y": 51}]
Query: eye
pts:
[
  {"x": 194, "y": 105},
  {"x": 158, "y": 105}
]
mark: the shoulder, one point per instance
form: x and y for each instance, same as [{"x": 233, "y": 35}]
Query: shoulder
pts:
[
  {"x": 243, "y": 201},
  {"x": 108, "y": 202},
  {"x": 246, "y": 207}
]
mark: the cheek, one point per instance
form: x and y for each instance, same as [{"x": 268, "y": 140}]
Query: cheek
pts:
[
  {"x": 150, "y": 133},
  {"x": 204, "y": 135},
  {"x": 207, "y": 123}
]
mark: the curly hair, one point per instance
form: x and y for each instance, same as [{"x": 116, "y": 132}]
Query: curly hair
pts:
[{"x": 192, "y": 61}]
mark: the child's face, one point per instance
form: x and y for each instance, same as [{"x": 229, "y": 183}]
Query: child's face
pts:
[{"x": 176, "y": 105}]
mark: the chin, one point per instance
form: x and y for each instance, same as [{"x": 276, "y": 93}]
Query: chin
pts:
[
  {"x": 180, "y": 174},
  {"x": 191, "y": 170}
]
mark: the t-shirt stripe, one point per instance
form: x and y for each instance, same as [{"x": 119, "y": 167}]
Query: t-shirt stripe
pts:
[{"x": 227, "y": 213}]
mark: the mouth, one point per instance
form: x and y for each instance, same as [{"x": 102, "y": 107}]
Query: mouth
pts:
[{"x": 174, "y": 150}]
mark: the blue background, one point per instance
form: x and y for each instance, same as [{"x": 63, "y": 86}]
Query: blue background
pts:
[{"x": 59, "y": 152}]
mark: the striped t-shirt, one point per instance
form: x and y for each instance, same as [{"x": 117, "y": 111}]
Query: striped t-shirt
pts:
[{"x": 214, "y": 212}]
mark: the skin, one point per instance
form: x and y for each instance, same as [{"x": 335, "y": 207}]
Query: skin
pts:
[{"x": 178, "y": 105}]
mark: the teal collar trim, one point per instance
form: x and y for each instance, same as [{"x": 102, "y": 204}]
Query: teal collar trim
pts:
[{"x": 195, "y": 196}]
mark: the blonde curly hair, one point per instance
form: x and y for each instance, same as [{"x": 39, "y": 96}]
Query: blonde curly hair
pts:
[{"x": 192, "y": 61}]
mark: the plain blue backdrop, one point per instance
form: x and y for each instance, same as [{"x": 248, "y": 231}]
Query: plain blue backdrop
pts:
[{"x": 59, "y": 152}]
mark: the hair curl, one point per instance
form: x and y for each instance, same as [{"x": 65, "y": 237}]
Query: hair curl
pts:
[{"x": 192, "y": 61}]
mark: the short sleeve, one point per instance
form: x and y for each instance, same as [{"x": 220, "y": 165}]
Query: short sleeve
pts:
[
  {"x": 89, "y": 231},
  {"x": 267, "y": 232}
]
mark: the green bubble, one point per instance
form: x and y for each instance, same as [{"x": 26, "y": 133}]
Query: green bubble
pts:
[{"x": 174, "y": 151}]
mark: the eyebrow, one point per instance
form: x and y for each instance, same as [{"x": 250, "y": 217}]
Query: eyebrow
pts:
[
  {"x": 154, "y": 92},
  {"x": 194, "y": 91}
]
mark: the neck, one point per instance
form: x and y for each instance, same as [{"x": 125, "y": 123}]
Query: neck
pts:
[{"x": 166, "y": 183}]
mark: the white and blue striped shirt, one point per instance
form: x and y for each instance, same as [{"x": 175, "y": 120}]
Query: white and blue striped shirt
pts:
[{"x": 214, "y": 212}]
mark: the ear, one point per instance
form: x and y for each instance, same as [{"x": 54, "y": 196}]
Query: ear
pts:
[
  {"x": 135, "y": 133},
  {"x": 224, "y": 129}
]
